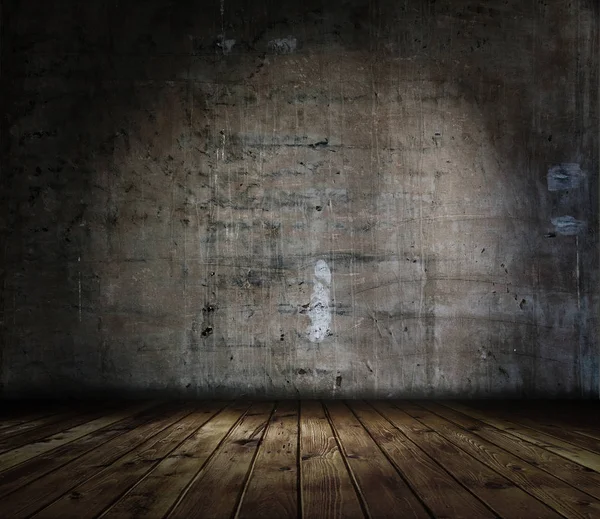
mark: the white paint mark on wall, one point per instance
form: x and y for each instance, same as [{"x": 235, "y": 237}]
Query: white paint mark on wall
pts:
[
  {"x": 564, "y": 176},
  {"x": 283, "y": 45},
  {"x": 319, "y": 310},
  {"x": 568, "y": 226}
]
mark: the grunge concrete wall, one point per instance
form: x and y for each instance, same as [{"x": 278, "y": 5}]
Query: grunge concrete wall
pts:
[{"x": 282, "y": 199}]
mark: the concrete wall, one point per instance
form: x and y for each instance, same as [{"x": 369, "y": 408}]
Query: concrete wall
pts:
[{"x": 276, "y": 198}]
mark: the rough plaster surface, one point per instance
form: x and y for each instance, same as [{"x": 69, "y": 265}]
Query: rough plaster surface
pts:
[{"x": 175, "y": 175}]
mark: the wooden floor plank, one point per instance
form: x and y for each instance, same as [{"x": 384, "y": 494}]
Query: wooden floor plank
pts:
[
  {"x": 563, "y": 498},
  {"x": 100, "y": 491},
  {"x": 155, "y": 495},
  {"x": 307, "y": 459},
  {"x": 37, "y": 420},
  {"x": 31, "y": 450},
  {"x": 498, "y": 492},
  {"x": 41, "y": 492},
  {"x": 442, "y": 494},
  {"x": 26, "y": 472},
  {"x": 327, "y": 489},
  {"x": 571, "y": 473},
  {"x": 26, "y": 420},
  {"x": 546, "y": 424},
  {"x": 567, "y": 450},
  {"x": 589, "y": 434},
  {"x": 272, "y": 489},
  {"x": 384, "y": 492},
  {"x": 216, "y": 490},
  {"x": 55, "y": 425},
  {"x": 570, "y": 415}
]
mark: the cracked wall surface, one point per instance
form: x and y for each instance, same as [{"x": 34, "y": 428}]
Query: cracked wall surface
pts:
[{"x": 315, "y": 199}]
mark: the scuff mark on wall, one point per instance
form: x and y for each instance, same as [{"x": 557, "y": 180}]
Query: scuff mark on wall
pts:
[
  {"x": 320, "y": 309},
  {"x": 564, "y": 176},
  {"x": 226, "y": 45},
  {"x": 568, "y": 226},
  {"x": 283, "y": 45}
]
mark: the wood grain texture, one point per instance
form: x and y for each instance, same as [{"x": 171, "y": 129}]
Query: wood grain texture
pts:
[
  {"x": 546, "y": 423},
  {"x": 563, "y": 498},
  {"x": 41, "y": 492},
  {"x": 216, "y": 491},
  {"x": 551, "y": 443},
  {"x": 376, "y": 459},
  {"x": 384, "y": 492},
  {"x": 11, "y": 424},
  {"x": 442, "y": 494},
  {"x": 45, "y": 427},
  {"x": 31, "y": 450},
  {"x": 498, "y": 492},
  {"x": 42, "y": 464},
  {"x": 272, "y": 490},
  {"x": 327, "y": 488},
  {"x": 577, "y": 416},
  {"x": 97, "y": 493},
  {"x": 570, "y": 472},
  {"x": 155, "y": 495}
]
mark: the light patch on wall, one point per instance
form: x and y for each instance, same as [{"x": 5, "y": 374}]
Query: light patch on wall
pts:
[
  {"x": 221, "y": 149},
  {"x": 283, "y": 45},
  {"x": 564, "y": 176},
  {"x": 568, "y": 226},
  {"x": 319, "y": 311},
  {"x": 226, "y": 45}
]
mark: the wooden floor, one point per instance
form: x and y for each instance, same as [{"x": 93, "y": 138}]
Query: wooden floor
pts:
[{"x": 301, "y": 459}]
